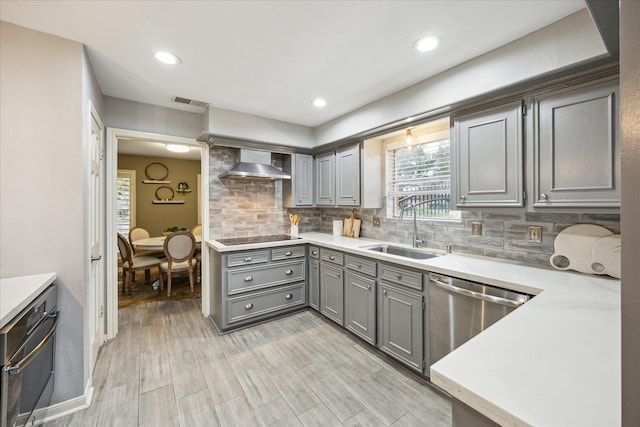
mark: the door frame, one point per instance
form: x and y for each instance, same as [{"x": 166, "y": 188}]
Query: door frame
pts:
[{"x": 113, "y": 135}]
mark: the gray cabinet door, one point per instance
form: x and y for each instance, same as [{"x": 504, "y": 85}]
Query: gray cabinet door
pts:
[
  {"x": 488, "y": 150},
  {"x": 325, "y": 180},
  {"x": 577, "y": 149},
  {"x": 400, "y": 327},
  {"x": 332, "y": 292},
  {"x": 360, "y": 306},
  {"x": 314, "y": 284},
  {"x": 348, "y": 176},
  {"x": 303, "y": 179}
]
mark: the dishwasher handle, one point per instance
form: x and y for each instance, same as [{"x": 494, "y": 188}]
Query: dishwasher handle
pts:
[{"x": 476, "y": 295}]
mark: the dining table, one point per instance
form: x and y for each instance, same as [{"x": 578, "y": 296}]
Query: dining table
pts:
[{"x": 157, "y": 243}]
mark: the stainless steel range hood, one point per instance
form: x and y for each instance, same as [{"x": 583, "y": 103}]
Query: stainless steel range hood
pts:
[{"x": 254, "y": 164}]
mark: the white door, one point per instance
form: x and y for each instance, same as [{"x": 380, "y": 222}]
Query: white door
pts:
[{"x": 97, "y": 287}]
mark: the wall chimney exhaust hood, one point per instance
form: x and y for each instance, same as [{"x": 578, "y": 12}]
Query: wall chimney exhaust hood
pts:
[{"x": 254, "y": 164}]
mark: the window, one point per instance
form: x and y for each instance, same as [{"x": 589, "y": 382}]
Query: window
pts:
[
  {"x": 126, "y": 201},
  {"x": 421, "y": 170}
]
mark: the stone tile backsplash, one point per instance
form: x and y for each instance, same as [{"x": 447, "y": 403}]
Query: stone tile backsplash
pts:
[{"x": 239, "y": 208}]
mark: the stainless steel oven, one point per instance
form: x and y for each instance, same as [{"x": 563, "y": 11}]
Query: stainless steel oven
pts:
[{"x": 27, "y": 349}]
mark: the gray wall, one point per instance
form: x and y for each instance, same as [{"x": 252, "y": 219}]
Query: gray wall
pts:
[
  {"x": 630, "y": 126},
  {"x": 44, "y": 85}
]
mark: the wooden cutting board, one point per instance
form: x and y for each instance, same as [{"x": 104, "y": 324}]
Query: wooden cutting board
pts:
[
  {"x": 347, "y": 229},
  {"x": 606, "y": 256},
  {"x": 355, "y": 231},
  {"x": 576, "y": 243}
]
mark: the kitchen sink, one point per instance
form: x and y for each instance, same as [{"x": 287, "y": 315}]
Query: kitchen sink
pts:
[{"x": 401, "y": 251}]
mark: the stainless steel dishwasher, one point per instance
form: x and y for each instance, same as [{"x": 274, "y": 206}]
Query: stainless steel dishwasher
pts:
[{"x": 460, "y": 309}]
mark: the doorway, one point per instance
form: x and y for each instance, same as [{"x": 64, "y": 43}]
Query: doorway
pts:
[{"x": 138, "y": 142}]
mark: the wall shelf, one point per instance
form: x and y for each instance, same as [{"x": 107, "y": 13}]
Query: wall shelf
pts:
[
  {"x": 154, "y": 181},
  {"x": 167, "y": 202}
]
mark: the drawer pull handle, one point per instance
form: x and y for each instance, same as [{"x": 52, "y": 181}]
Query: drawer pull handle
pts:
[
  {"x": 289, "y": 296},
  {"x": 331, "y": 257},
  {"x": 248, "y": 279},
  {"x": 288, "y": 253},
  {"x": 248, "y": 258},
  {"x": 289, "y": 272},
  {"x": 248, "y": 306},
  {"x": 398, "y": 276}
]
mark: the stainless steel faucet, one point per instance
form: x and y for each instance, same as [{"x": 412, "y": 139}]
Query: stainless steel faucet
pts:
[{"x": 401, "y": 204}]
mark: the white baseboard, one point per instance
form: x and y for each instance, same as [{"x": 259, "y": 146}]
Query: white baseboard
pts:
[{"x": 43, "y": 415}]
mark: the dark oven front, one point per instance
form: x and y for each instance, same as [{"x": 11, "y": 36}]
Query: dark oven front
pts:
[{"x": 27, "y": 347}]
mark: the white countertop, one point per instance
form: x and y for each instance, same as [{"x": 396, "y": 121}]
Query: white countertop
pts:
[
  {"x": 553, "y": 362},
  {"x": 17, "y": 292}
]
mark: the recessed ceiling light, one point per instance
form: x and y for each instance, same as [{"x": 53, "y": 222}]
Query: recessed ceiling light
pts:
[
  {"x": 426, "y": 44},
  {"x": 176, "y": 148},
  {"x": 319, "y": 102},
  {"x": 167, "y": 58}
]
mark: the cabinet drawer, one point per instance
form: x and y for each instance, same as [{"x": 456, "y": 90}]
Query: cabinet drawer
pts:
[
  {"x": 314, "y": 252},
  {"x": 334, "y": 257},
  {"x": 247, "y": 258},
  {"x": 246, "y": 279},
  {"x": 264, "y": 302},
  {"x": 287, "y": 252},
  {"x": 401, "y": 276},
  {"x": 361, "y": 265}
]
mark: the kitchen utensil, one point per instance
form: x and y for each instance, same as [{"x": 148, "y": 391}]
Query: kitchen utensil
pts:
[
  {"x": 348, "y": 224},
  {"x": 606, "y": 256},
  {"x": 574, "y": 247}
]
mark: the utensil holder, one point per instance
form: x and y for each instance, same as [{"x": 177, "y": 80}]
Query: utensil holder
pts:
[{"x": 294, "y": 231}]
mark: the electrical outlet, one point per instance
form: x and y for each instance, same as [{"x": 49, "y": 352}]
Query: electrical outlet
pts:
[
  {"x": 376, "y": 221},
  {"x": 535, "y": 234},
  {"x": 476, "y": 229}
]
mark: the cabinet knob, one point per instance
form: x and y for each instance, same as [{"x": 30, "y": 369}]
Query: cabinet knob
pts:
[
  {"x": 369, "y": 287},
  {"x": 543, "y": 196},
  {"x": 288, "y": 253},
  {"x": 359, "y": 265},
  {"x": 337, "y": 274},
  {"x": 462, "y": 198},
  {"x": 384, "y": 292},
  {"x": 248, "y": 258},
  {"x": 248, "y": 306},
  {"x": 288, "y": 272},
  {"x": 314, "y": 253},
  {"x": 248, "y": 279},
  {"x": 288, "y": 296},
  {"x": 331, "y": 257},
  {"x": 398, "y": 276}
]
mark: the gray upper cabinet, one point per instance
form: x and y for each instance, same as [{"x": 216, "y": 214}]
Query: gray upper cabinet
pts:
[
  {"x": 577, "y": 148},
  {"x": 299, "y": 190},
  {"x": 348, "y": 176},
  {"x": 488, "y": 150},
  {"x": 325, "y": 179}
]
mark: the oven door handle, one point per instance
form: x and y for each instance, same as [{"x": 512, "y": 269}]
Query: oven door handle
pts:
[{"x": 16, "y": 368}]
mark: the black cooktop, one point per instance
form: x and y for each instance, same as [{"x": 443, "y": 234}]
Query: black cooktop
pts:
[{"x": 256, "y": 239}]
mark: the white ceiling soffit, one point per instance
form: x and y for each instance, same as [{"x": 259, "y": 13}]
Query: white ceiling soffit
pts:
[
  {"x": 139, "y": 147},
  {"x": 272, "y": 58}
]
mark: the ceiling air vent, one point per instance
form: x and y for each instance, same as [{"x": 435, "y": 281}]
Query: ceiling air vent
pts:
[{"x": 188, "y": 101}]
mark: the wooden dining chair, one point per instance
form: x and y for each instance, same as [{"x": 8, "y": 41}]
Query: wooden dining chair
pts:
[
  {"x": 137, "y": 233},
  {"x": 178, "y": 248},
  {"x": 132, "y": 263},
  {"x": 196, "y": 230}
]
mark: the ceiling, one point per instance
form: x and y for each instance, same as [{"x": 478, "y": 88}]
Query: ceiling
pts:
[
  {"x": 272, "y": 58},
  {"x": 141, "y": 147}
]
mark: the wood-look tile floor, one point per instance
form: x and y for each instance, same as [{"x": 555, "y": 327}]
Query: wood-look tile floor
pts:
[{"x": 168, "y": 367}]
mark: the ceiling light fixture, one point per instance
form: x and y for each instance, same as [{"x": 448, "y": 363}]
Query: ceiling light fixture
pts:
[
  {"x": 167, "y": 58},
  {"x": 177, "y": 148},
  {"x": 426, "y": 44},
  {"x": 409, "y": 136},
  {"x": 319, "y": 102}
]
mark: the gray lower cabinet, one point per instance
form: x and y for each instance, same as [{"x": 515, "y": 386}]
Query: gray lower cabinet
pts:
[
  {"x": 489, "y": 155},
  {"x": 332, "y": 285},
  {"x": 360, "y": 297},
  {"x": 314, "y": 278},
  {"x": 250, "y": 286},
  {"x": 400, "y": 323},
  {"x": 577, "y": 147}
]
